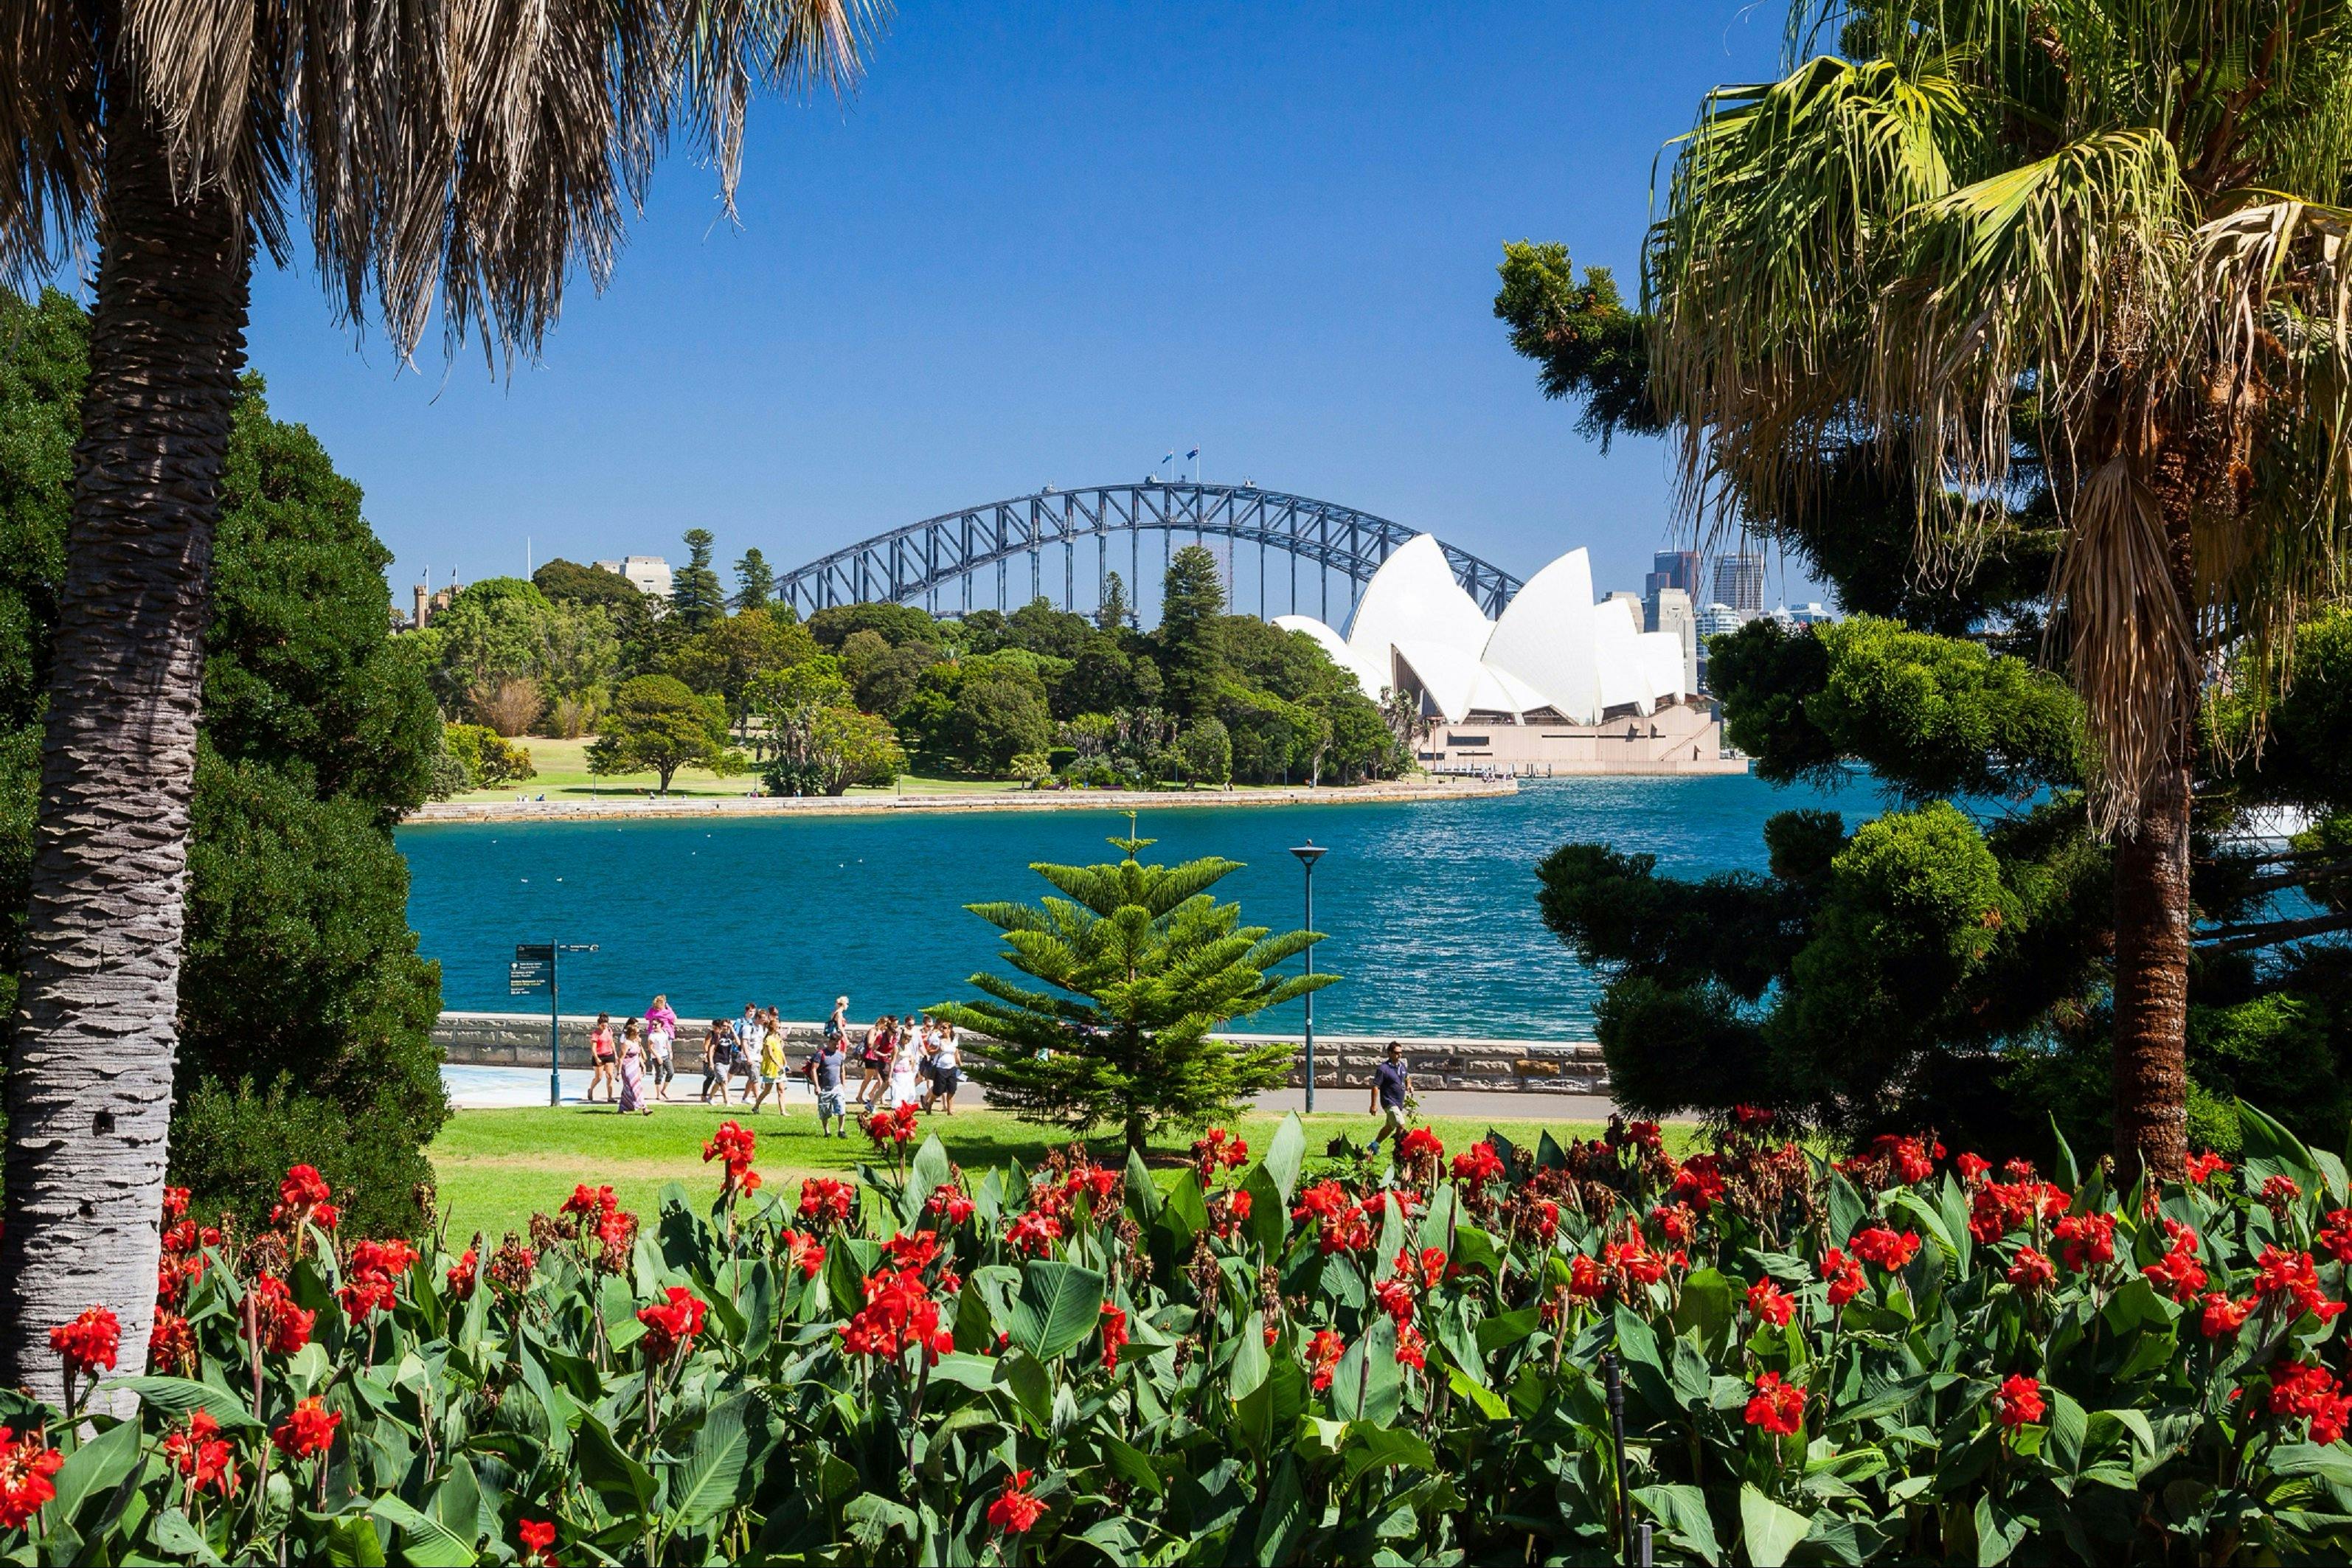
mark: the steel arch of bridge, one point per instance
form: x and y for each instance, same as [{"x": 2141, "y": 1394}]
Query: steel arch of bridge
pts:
[{"x": 921, "y": 558}]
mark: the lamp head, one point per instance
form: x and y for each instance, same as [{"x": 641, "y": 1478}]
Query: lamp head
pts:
[{"x": 1308, "y": 853}]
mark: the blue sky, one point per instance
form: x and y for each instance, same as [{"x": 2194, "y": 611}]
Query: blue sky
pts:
[{"x": 1043, "y": 244}]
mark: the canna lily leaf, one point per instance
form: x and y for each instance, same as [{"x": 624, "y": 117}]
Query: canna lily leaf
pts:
[
  {"x": 94, "y": 1469},
  {"x": 1682, "y": 1520},
  {"x": 1060, "y": 1305},
  {"x": 1769, "y": 1532},
  {"x": 1285, "y": 1155},
  {"x": 713, "y": 1479},
  {"x": 182, "y": 1396},
  {"x": 423, "y": 1539},
  {"x": 926, "y": 1175},
  {"x": 1367, "y": 1385}
]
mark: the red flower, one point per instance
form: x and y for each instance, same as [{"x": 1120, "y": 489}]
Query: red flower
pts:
[
  {"x": 1585, "y": 1280},
  {"x": 537, "y": 1538},
  {"x": 2086, "y": 1240},
  {"x": 308, "y": 1429},
  {"x": 1113, "y": 1335},
  {"x": 1412, "y": 1349},
  {"x": 171, "y": 1344},
  {"x": 89, "y": 1343},
  {"x": 2032, "y": 1270},
  {"x": 949, "y": 1203},
  {"x": 2306, "y": 1390},
  {"x": 461, "y": 1276},
  {"x": 1881, "y": 1246},
  {"x": 1778, "y": 1408},
  {"x": 1014, "y": 1509},
  {"x": 1973, "y": 1168},
  {"x": 733, "y": 1143},
  {"x": 1998, "y": 1207},
  {"x": 1395, "y": 1299},
  {"x": 1629, "y": 1263},
  {"x": 2280, "y": 1191},
  {"x": 825, "y": 1198},
  {"x": 175, "y": 1204},
  {"x": 1771, "y": 1304},
  {"x": 1478, "y": 1164},
  {"x": 2203, "y": 1168},
  {"x": 913, "y": 1250},
  {"x": 2280, "y": 1276},
  {"x": 672, "y": 1323},
  {"x": 2223, "y": 1316},
  {"x": 592, "y": 1202},
  {"x": 26, "y": 1466},
  {"x": 285, "y": 1327},
  {"x": 207, "y": 1460},
  {"x": 1699, "y": 1182},
  {"x": 1219, "y": 1150},
  {"x": 1844, "y": 1277},
  {"x": 889, "y": 1129},
  {"x": 1236, "y": 1212},
  {"x": 804, "y": 1252},
  {"x": 2177, "y": 1273},
  {"x": 898, "y": 1314},
  {"x": 1420, "y": 1143},
  {"x": 2338, "y": 1236},
  {"x": 1033, "y": 1234},
  {"x": 1323, "y": 1353},
  {"x": 2018, "y": 1401}
]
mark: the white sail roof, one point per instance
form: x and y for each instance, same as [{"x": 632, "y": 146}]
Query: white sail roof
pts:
[
  {"x": 1414, "y": 598},
  {"x": 1545, "y": 639}
]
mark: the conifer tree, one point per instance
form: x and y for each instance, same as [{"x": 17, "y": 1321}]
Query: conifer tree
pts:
[
  {"x": 755, "y": 581},
  {"x": 1140, "y": 966},
  {"x": 1113, "y": 613},
  {"x": 695, "y": 597}
]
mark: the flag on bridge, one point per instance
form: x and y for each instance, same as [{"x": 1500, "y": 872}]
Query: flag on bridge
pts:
[{"x": 1192, "y": 454}]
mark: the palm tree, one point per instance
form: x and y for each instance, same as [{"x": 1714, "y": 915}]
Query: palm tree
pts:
[
  {"x": 449, "y": 155},
  {"x": 2107, "y": 232}
]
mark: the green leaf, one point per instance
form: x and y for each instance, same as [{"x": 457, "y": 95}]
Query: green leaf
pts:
[
  {"x": 1031, "y": 1385},
  {"x": 1269, "y": 1220},
  {"x": 2269, "y": 1150},
  {"x": 1705, "y": 1304},
  {"x": 1769, "y": 1532},
  {"x": 2063, "y": 1169},
  {"x": 1250, "y": 1363},
  {"x": 712, "y": 1478},
  {"x": 1490, "y": 1403},
  {"x": 458, "y": 1501},
  {"x": 423, "y": 1539},
  {"x": 1282, "y": 1517},
  {"x": 182, "y": 1396},
  {"x": 1370, "y": 1447},
  {"x": 1059, "y": 1305},
  {"x": 627, "y": 1486},
  {"x": 1681, "y": 1512},
  {"x": 94, "y": 1469},
  {"x": 177, "y": 1537},
  {"x": 1367, "y": 1385},
  {"x": 1142, "y": 1191},
  {"x": 925, "y": 1176},
  {"x": 1131, "y": 1463},
  {"x": 1183, "y": 1215},
  {"x": 1999, "y": 1532},
  {"x": 1286, "y": 1154},
  {"x": 871, "y": 1516}
]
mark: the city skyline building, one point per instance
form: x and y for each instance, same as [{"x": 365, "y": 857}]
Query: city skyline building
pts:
[
  {"x": 1675, "y": 617},
  {"x": 1739, "y": 582},
  {"x": 1676, "y": 569}
]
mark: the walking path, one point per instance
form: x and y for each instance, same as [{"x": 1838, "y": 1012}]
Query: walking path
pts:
[
  {"x": 706, "y": 806},
  {"x": 508, "y": 1088}
]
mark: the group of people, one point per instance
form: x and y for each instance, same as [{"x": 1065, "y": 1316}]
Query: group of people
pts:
[{"x": 899, "y": 1061}]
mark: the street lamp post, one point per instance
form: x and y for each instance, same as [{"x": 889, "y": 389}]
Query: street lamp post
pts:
[{"x": 1308, "y": 853}]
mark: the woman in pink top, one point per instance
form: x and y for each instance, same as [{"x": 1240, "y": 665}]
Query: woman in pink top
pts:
[{"x": 604, "y": 1052}]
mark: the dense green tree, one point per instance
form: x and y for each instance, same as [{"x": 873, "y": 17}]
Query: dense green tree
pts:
[
  {"x": 695, "y": 597},
  {"x": 1204, "y": 751},
  {"x": 658, "y": 724},
  {"x": 999, "y": 712},
  {"x": 888, "y": 682},
  {"x": 895, "y": 623},
  {"x": 1114, "y": 613},
  {"x": 1134, "y": 969},
  {"x": 727, "y": 656},
  {"x": 1040, "y": 629},
  {"x": 1188, "y": 642},
  {"x": 568, "y": 582},
  {"x": 755, "y": 581}
]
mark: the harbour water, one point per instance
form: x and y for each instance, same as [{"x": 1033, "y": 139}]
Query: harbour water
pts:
[{"x": 1430, "y": 907}]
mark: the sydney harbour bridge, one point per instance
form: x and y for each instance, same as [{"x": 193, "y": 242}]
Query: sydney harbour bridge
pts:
[{"x": 1004, "y": 553}]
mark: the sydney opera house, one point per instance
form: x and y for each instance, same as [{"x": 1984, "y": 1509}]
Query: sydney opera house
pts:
[{"x": 1559, "y": 684}]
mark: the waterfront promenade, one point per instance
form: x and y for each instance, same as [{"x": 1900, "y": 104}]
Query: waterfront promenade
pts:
[{"x": 705, "y": 807}]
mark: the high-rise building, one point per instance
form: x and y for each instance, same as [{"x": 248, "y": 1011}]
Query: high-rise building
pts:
[
  {"x": 1713, "y": 621},
  {"x": 1674, "y": 615},
  {"x": 1740, "y": 584},
  {"x": 1668, "y": 569}
]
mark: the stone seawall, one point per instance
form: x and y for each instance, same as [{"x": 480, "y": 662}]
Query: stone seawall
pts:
[{"x": 1341, "y": 1061}]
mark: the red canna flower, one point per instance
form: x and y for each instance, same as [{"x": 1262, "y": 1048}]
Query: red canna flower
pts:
[
  {"x": 912, "y": 1250},
  {"x": 2223, "y": 1316},
  {"x": 308, "y": 1429},
  {"x": 2338, "y": 1235},
  {"x": 1769, "y": 1304},
  {"x": 1420, "y": 1144},
  {"x": 1113, "y": 1335},
  {"x": 1585, "y": 1280},
  {"x": 198, "y": 1453},
  {"x": 1973, "y": 1168},
  {"x": 1478, "y": 1164},
  {"x": 1394, "y": 1297},
  {"x": 461, "y": 1276},
  {"x": 2282, "y": 1276},
  {"x": 1843, "y": 1276},
  {"x": 949, "y": 1202},
  {"x": 1881, "y": 1247},
  {"x": 89, "y": 1343},
  {"x": 823, "y": 1198},
  {"x": 1699, "y": 1182},
  {"x": 26, "y": 1466},
  {"x": 733, "y": 1143},
  {"x": 1323, "y": 1353},
  {"x": 285, "y": 1327},
  {"x": 1778, "y": 1408},
  {"x": 1412, "y": 1349},
  {"x": 171, "y": 1345},
  {"x": 2032, "y": 1270},
  {"x": 1014, "y": 1510},
  {"x": 2203, "y": 1168},
  {"x": 537, "y": 1538},
  {"x": 672, "y": 1323},
  {"x": 1033, "y": 1234},
  {"x": 2018, "y": 1401},
  {"x": 2086, "y": 1240},
  {"x": 804, "y": 1252}
]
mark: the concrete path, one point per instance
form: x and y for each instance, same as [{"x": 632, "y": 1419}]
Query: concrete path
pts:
[{"x": 502, "y": 1089}]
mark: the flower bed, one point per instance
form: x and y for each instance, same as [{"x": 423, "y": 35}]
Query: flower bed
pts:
[{"x": 1899, "y": 1357}]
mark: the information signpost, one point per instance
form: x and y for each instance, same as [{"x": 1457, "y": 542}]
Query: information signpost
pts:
[{"x": 535, "y": 969}]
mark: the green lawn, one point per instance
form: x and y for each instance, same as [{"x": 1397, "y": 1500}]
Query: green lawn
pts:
[{"x": 495, "y": 1167}]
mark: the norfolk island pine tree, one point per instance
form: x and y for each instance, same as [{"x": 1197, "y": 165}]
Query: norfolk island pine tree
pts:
[
  {"x": 1141, "y": 966},
  {"x": 179, "y": 143}
]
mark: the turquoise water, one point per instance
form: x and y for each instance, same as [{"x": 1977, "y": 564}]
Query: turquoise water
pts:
[{"x": 1430, "y": 906}]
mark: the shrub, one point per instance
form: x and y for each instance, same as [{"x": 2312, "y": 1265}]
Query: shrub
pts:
[
  {"x": 1900, "y": 1358},
  {"x": 488, "y": 758}
]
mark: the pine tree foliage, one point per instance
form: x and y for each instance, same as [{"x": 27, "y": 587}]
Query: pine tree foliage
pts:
[{"x": 1140, "y": 966}]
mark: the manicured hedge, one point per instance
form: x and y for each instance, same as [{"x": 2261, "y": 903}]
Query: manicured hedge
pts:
[{"x": 1903, "y": 1358}]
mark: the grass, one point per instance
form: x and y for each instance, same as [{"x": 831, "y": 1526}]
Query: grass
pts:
[{"x": 494, "y": 1167}]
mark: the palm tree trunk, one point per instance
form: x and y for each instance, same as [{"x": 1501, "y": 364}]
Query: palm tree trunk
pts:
[
  {"x": 2151, "y": 1065},
  {"x": 89, "y": 1088}
]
